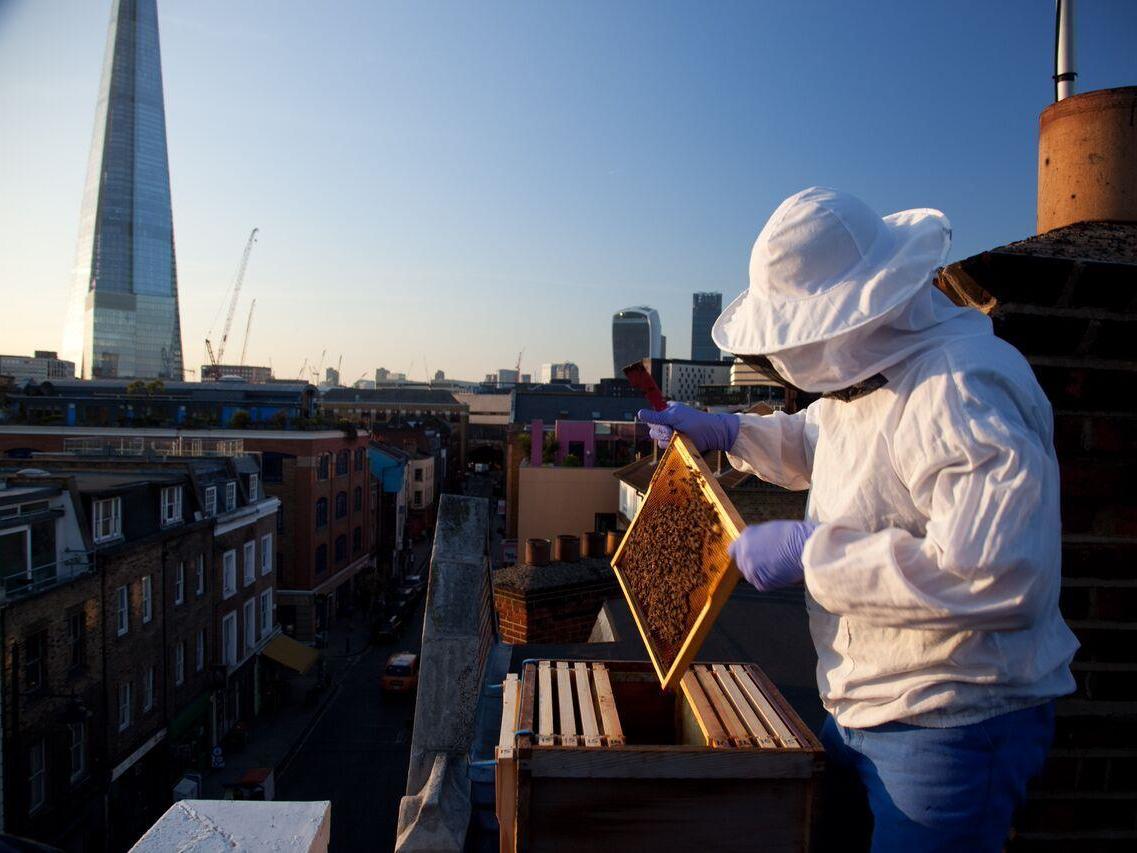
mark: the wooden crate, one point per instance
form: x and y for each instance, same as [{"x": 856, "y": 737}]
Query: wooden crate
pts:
[
  {"x": 595, "y": 756},
  {"x": 669, "y": 493}
]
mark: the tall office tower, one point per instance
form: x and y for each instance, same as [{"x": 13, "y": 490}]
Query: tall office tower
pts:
[
  {"x": 122, "y": 319},
  {"x": 636, "y": 334},
  {"x": 705, "y": 309},
  {"x": 560, "y": 371}
]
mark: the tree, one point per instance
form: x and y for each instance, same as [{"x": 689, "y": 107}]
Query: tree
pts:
[{"x": 240, "y": 420}]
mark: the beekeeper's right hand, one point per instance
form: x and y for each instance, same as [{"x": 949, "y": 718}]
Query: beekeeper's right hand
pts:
[{"x": 708, "y": 431}]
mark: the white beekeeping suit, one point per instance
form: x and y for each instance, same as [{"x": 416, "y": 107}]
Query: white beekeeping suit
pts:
[{"x": 933, "y": 578}]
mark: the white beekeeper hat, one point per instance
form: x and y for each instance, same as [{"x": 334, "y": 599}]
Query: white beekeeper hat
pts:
[{"x": 825, "y": 263}]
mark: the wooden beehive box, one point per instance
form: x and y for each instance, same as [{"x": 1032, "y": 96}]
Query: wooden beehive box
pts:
[
  {"x": 594, "y": 756},
  {"x": 673, "y": 565}
]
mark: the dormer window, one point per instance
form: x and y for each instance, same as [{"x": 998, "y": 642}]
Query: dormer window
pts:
[
  {"x": 106, "y": 519},
  {"x": 171, "y": 505},
  {"x": 211, "y": 500},
  {"x": 230, "y": 495},
  {"x": 254, "y": 487}
]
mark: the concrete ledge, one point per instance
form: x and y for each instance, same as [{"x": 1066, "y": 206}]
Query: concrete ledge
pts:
[{"x": 456, "y": 637}]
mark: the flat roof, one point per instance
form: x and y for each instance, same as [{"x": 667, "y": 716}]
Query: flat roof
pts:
[{"x": 158, "y": 432}]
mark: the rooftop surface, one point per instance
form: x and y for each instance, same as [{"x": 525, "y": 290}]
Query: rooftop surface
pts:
[{"x": 431, "y": 396}]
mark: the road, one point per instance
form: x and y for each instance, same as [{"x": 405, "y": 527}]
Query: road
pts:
[{"x": 356, "y": 755}]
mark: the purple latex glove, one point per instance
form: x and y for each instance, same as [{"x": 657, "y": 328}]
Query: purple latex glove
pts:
[
  {"x": 769, "y": 554},
  {"x": 708, "y": 431}
]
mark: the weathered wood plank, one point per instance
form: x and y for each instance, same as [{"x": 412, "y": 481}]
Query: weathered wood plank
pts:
[
  {"x": 762, "y": 704},
  {"x": 545, "y": 730},
  {"x": 705, "y": 716},
  {"x": 735, "y": 730},
  {"x": 609, "y": 716},
  {"x": 505, "y": 774},
  {"x": 758, "y": 731},
  {"x": 565, "y": 705},
  {"x": 587, "y": 708}
]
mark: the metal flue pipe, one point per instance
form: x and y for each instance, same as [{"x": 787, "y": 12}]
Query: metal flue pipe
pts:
[{"x": 1064, "y": 73}]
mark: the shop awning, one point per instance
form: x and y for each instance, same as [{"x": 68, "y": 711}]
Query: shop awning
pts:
[{"x": 287, "y": 652}]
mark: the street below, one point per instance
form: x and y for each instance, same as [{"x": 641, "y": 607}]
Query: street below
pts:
[{"x": 356, "y": 754}]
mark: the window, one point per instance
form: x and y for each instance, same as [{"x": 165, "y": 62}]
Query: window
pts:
[
  {"x": 179, "y": 663},
  {"x": 107, "y": 519},
  {"x": 341, "y": 549},
  {"x": 27, "y": 553},
  {"x": 211, "y": 500},
  {"x": 343, "y": 460},
  {"x": 357, "y": 500},
  {"x": 171, "y": 505},
  {"x": 123, "y": 610},
  {"x": 250, "y": 564},
  {"x": 78, "y": 732},
  {"x": 200, "y": 580},
  {"x": 341, "y": 504},
  {"x": 360, "y": 455},
  {"x": 266, "y": 612},
  {"x": 357, "y": 540},
  {"x": 230, "y": 495},
  {"x": 321, "y": 513},
  {"x": 250, "y": 625},
  {"x": 418, "y": 474},
  {"x": 228, "y": 574},
  {"x": 418, "y": 498},
  {"x": 272, "y": 467},
  {"x": 76, "y": 655},
  {"x": 148, "y": 690},
  {"x": 180, "y": 583},
  {"x": 229, "y": 639},
  {"x": 37, "y": 776},
  {"x": 266, "y": 554},
  {"x": 199, "y": 652},
  {"x": 35, "y": 648},
  {"x": 124, "y": 703},
  {"x": 147, "y": 599},
  {"x": 254, "y": 487},
  {"x": 322, "y": 466},
  {"x": 321, "y": 558}
]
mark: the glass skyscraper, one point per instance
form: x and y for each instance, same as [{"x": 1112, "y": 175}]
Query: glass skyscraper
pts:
[
  {"x": 705, "y": 309},
  {"x": 636, "y": 334},
  {"x": 122, "y": 319}
]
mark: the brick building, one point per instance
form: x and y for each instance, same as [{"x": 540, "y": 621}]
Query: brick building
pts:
[
  {"x": 326, "y": 522},
  {"x": 145, "y": 621}
]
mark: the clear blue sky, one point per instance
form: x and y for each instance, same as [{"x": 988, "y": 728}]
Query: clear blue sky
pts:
[{"x": 446, "y": 183}]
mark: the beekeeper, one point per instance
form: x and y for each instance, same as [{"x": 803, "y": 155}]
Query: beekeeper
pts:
[{"x": 930, "y": 550}]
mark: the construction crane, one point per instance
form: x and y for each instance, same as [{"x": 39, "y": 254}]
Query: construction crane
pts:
[
  {"x": 216, "y": 360},
  {"x": 248, "y": 325},
  {"x": 303, "y": 367},
  {"x": 517, "y": 367}
]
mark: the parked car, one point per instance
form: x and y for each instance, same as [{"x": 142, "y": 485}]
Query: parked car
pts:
[
  {"x": 388, "y": 628},
  {"x": 400, "y": 675}
]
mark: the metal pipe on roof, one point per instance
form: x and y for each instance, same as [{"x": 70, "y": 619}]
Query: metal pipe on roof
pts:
[{"x": 1064, "y": 73}]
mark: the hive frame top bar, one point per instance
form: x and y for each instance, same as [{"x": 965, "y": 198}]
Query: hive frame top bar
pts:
[{"x": 720, "y": 587}]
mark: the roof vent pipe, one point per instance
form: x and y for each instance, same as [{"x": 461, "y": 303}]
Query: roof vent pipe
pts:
[{"x": 1064, "y": 73}]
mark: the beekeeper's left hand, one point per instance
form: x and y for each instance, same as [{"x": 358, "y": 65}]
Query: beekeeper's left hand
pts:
[{"x": 769, "y": 554}]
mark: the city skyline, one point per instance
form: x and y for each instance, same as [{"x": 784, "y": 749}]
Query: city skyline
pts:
[{"x": 558, "y": 209}]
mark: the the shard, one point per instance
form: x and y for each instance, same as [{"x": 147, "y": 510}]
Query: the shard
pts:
[{"x": 122, "y": 319}]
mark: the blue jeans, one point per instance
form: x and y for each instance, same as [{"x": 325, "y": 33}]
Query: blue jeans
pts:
[{"x": 936, "y": 789}]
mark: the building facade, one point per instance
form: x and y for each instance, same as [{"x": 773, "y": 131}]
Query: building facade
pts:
[
  {"x": 122, "y": 320},
  {"x": 705, "y": 309},
  {"x": 44, "y": 364},
  {"x": 250, "y": 373},
  {"x": 564, "y": 371},
  {"x": 636, "y": 334}
]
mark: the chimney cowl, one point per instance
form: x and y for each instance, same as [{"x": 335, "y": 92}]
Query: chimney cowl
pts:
[{"x": 592, "y": 545}]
